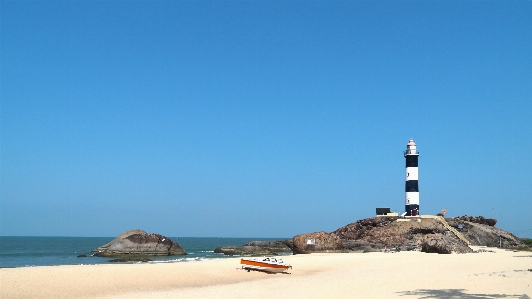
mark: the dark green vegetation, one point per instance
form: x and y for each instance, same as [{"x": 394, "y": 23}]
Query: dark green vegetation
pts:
[
  {"x": 527, "y": 245},
  {"x": 528, "y": 242}
]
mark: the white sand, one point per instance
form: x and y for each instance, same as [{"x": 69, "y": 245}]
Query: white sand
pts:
[{"x": 354, "y": 275}]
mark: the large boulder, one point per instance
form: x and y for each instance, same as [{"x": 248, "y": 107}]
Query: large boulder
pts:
[
  {"x": 317, "y": 242},
  {"x": 440, "y": 243},
  {"x": 138, "y": 242}
]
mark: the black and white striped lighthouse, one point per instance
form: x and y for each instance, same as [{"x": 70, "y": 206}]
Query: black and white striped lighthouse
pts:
[{"x": 411, "y": 184}]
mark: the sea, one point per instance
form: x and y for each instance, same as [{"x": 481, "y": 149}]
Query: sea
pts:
[{"x": 54, "y": 251}]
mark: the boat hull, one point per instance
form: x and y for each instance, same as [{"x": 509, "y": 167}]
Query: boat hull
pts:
[{"x": 265, "y": 266}]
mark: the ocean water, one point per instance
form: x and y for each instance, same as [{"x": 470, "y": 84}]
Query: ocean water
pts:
[{"x": 53, "y": 251}]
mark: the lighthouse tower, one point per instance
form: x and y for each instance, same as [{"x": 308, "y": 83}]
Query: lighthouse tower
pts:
[{"x": 411, "y": 185}]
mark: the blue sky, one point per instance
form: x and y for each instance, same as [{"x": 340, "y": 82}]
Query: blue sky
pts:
[{"x": 260, "y": 118}]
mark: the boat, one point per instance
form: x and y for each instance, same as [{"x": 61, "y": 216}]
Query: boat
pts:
[{"x": 264, "y": 264}]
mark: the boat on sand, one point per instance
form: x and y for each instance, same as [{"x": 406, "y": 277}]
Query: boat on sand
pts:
[{"x": 264, "y": 264}]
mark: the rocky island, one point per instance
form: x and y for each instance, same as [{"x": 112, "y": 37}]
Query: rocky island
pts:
[{"x": 139, "y": 243}]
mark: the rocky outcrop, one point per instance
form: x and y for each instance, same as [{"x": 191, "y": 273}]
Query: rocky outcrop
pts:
[
  {"x": 423, "y": 234},
  {"x": 363, "y": 228},
  {"x": 273, "y": 246},
  {"x": 138, "y": 242},
  {"x": 475, "y": 219},
  {"x": 380, "y": 233},
  {"x": 258, "y": 248},
  {"x": 130, "y": 259},
  {"x": 244, "y": 250},
  {"x": 317, "y": 242},
  {"x": 362, "y": 246},
  {"x": 482, "y": 233}
]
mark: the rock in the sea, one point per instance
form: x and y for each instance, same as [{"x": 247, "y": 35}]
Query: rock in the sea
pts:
[
  {"x": 244, "y": 250},
  {"x": 131, "y": 259},
  {"x": 273, "y": 246},
  {"x": 138, "y": 242},
  {"x": 317, "y": 242}
]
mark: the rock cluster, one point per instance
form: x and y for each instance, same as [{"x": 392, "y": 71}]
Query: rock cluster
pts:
[
  {"x": 138, "y": 242},
  {"x": 476, "y": 219},
  {"x": 482, "y": 233},
  {"x": 386, "y": 233},
  {"x": 257, "y": 248},
  {"x": 273, "y": 246},
  {"x": 425, "y": 234},
  {"x": 244, "y": 250}
]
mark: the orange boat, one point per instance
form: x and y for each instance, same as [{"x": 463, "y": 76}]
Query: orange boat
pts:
[{"x": 265, "y": 264}]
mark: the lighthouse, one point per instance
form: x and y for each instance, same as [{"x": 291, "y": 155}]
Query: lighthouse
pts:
[{"x": 411, "y": 185}]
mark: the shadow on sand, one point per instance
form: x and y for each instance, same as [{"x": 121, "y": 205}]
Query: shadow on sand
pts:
[{"x": 456, "y": 294}]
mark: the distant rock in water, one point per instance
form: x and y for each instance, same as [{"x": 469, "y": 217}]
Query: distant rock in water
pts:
[
  {"x": 273, "y": 246},
  {"x": 257, "y": 248},
  {"x": 138, "y": 242},
  {"x": 244, "y": 250},
  {"x": 130, "y": 259}
]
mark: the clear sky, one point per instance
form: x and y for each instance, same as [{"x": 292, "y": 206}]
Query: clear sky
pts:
[{"x": 260, "y": 118}]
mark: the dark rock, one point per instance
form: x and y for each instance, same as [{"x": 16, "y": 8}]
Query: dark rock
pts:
[
  {"x": 362, "y": 246},
  {"x": 361, "y": 228},
  {"x": 482, "y": 233},
  {"x": 379, "y": 233},
  {"x": 439, "y": 243},
  {"x": 139, "y": 243},
  {"x": 244, "y": 250},
  {"x": 273, "y": 246},
  {"x": 317, "y": 242},
  {"x": 229, "y": 250},
  {"x": 476, "y": 219},
  {"x": 82, "y": 255},
  {"x": 131, "y": 259},
  {"x": 423, "y": 234}
]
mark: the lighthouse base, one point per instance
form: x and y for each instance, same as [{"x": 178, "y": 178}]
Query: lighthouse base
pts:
[{"x": 412, "y": 210}]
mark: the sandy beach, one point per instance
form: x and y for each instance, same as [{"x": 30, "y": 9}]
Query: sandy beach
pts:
[{"x": 499, "y": 274}]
